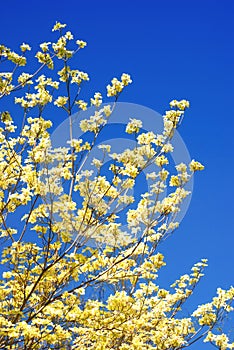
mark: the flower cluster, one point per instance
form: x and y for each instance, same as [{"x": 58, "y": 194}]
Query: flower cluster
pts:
[
  {"x": 117, "y": 86},
  {"x": 133, "y": 126}
]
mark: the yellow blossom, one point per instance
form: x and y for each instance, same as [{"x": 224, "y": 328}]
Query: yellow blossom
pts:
[
  {"x": 25, "y": 47},
  {"x": 82, "y": 104},
  {"x": 58, "y": 26},
  {"x": 61, "y": 101},
  {"x": 195, "y": 166},
  {"x": 81, "y": 43}
]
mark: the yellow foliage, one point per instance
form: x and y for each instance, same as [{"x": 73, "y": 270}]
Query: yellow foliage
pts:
[{"x": 56, "y": 292}]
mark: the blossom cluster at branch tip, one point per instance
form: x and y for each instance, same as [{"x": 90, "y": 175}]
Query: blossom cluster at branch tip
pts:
[
  {"x": 58, "y": 26},
  {"x": 195, "y": 166},
  {"x": 181, "y": 105},
  {"x": 117, "y": 86}
]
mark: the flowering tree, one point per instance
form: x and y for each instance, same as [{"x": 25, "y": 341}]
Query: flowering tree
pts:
[{"x": 58, "y": 291}]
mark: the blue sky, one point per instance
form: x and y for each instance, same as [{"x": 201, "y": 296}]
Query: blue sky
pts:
[{"x": 172, "y": 49}]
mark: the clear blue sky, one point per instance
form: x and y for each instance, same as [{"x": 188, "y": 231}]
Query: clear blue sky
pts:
[{"x": 172, "y": 49}]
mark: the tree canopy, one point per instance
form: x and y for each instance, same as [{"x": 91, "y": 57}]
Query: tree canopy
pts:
[{"x": 58, "y": 290}]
